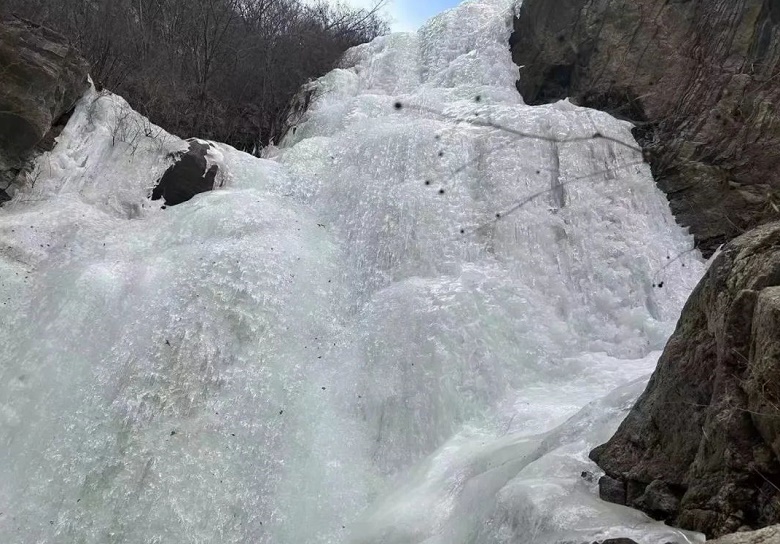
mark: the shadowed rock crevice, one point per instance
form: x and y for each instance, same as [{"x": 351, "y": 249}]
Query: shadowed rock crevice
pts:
[
  {"x": 190, "y": 175},
  {"x": 701, "y": 79}
]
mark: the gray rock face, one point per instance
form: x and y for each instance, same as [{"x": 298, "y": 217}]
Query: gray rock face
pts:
[
  {"x": 701, "y": 447},
  {"x": 41, "y": 78},
  {"x": 700, "y": 78},
  {"x": 659, "y": 499},
  {"x": 769, "y": 535}
]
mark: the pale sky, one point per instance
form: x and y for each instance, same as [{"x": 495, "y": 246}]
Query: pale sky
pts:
[{"x": 409, "y": 14}]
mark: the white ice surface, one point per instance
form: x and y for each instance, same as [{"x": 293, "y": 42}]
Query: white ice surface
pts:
[{"x": 315, "y": 352}]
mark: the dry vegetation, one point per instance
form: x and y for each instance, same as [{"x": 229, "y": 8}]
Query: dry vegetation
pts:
[{"x": 218, "y": 69}]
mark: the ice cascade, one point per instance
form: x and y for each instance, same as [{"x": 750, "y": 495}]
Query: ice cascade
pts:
[{"x": 409, "y": 326}]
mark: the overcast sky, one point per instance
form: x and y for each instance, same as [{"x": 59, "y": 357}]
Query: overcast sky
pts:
[{"x": 410, "y": 14}]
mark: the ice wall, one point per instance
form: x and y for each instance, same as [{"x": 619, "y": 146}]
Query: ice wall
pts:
[{"x": 409, "y": 327}]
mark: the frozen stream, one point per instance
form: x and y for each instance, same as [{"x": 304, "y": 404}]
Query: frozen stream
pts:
[{"x": 361, "y": 340}]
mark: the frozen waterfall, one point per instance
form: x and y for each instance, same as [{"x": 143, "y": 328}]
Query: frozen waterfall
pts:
[{"x": 376, "y": 337}]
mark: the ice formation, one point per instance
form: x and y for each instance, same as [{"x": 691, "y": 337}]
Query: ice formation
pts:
[{"x": 367, "y": 339}]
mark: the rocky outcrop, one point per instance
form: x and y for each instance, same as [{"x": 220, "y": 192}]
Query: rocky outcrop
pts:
[
  {"x": 190, "y": 175},
  {"x": 769, "y": 535},
  {"x": 701, "y": 80},
  {"x": 701, "y": 447},
  {"x": 41, "y": 78}
]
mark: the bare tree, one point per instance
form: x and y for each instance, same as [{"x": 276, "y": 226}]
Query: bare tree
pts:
[{"x": 219, "y": 69}]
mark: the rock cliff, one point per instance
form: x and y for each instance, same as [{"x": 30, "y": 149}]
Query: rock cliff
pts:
[
  {"x": 701, "y": 80},
  {"x": 701, "y": 447},
  {"x": 41, "y": 78}
]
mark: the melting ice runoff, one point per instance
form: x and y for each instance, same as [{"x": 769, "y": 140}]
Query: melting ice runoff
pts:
[{"x": 410, "y": 325}]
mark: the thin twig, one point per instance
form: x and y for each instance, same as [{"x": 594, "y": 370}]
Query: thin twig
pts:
[
  {"x": 521, "y": 134},
  {"x": 527, "y": 200}
]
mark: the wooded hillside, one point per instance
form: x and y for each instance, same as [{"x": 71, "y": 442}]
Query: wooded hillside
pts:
[{"x": 217, "y": 69}]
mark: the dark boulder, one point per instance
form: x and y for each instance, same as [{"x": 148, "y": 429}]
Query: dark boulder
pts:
[
  {"x": 701, "y": 447},
  {"x": 701, "y": 80},
  {"x": 659, "y": 499},
  {"x": 612, "y": 490},
  {"x": 41, "y": 78},
  {"x": 617, "y": 541},
  {"x": 188, "y": 176}
]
